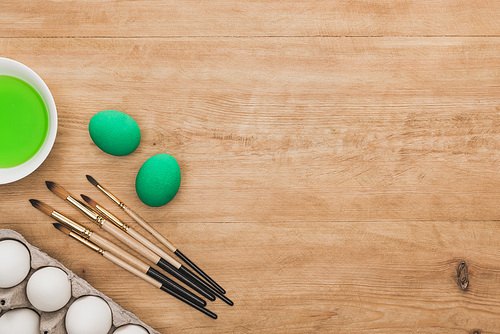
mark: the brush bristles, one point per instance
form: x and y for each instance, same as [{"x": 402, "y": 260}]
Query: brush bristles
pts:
[
  {"x": 62, "y": 228},
  {"x": 92, "y": 180},
  {"x": 89, "y": 200},
  {"x": 42, "y": 207},
  {"x": 57, "y": 189}
]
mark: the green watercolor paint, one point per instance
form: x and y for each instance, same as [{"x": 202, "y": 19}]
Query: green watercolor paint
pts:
[{"x": 24, "y": 121}]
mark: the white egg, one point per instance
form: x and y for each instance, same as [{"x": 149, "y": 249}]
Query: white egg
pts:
[
  {"x": 131, "y": 329},
  {"x": 49, "y": 289},
  {"x": 88, "y": 315},
  {"x": 22, "y": 320},
  {"x": 15, "y": 263}
]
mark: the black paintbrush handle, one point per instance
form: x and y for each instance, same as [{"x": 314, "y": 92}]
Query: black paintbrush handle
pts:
[
  {"x": 198, "y": 281},
  {"x": 174, "y": 286},
  {"x": 189, "y": 302},
  {"x": 199, "y": 271},
  {"x": 163, "y": 264}
]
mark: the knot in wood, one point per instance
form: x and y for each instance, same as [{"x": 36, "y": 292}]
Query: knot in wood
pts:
[{"x": 463, "y": 276}]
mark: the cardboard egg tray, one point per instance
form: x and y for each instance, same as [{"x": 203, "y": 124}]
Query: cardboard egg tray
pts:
[{"x": 53, "y": 322}]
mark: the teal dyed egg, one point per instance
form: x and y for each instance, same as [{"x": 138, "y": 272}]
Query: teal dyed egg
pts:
[
  {"x": 158, "y": 180},
  {"x": 115, "y": 132}
]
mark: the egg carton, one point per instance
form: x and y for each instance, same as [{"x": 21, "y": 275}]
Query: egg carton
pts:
[{"x": 53, "y": 322}]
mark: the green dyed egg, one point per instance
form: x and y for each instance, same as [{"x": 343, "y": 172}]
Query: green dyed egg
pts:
[
  {"x": 114, "y": 132},
  {"x": 158, "y": 180}
]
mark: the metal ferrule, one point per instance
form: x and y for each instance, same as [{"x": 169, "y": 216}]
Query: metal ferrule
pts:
[
  {"x": 89, "y": 244},
  {"x": 85, "y": 209},
  {"x": 112, "y": 218},
  {"x": 99, "y": 221},
  {"x": 110, "y": 195},
  {"x": 81, "y": 230}
]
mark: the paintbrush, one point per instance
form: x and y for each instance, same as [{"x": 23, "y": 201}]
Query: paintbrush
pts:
[
  {"x": 168, "y": 264},
  {"x": 115, "y": 220},
  {"x": 100, "y": 210},
  {"x": 132, "y": 269},
  {"x": 155, "y": 233},
  {"x": 108, "y": 245}
]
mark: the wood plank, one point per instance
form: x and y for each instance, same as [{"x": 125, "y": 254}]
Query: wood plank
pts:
[
  {"x": 278, "y": 129},
  {"x": 349, "y": 277},
  {"x": 249, "y": 18}
]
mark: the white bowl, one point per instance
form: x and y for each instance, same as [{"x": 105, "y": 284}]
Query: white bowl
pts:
[{"x": 23, "y": 72}]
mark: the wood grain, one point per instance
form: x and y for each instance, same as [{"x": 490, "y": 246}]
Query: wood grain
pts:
[
  {"x": 339, "y": 158},
  {"x": 148, "y": 18},
  {"x": 288, "y": 129},
  {"x": 323, "y": 277}
]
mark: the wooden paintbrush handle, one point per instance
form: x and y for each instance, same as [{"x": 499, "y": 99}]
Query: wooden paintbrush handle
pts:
[
  {"x": 130, "y": 242},
  {"x": 149, "y": 254},
  {"x": 123, "y": 254},
  {"x": 148, "y": 228},
  {"x": 131, "y": 269},
  {"x": 153, "y": 247},
  {"x": 111, "y": 248},
  {"x": 157, "y": 284}
]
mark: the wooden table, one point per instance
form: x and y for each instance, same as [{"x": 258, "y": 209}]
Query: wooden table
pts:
[{"x": 340, "y": 159}]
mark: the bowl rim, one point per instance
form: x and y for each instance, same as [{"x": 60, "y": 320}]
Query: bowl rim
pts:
[{"x": 16, "y": 69}]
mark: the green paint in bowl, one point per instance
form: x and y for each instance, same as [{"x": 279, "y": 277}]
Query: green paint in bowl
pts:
[{"x": 23, "y": 121}]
